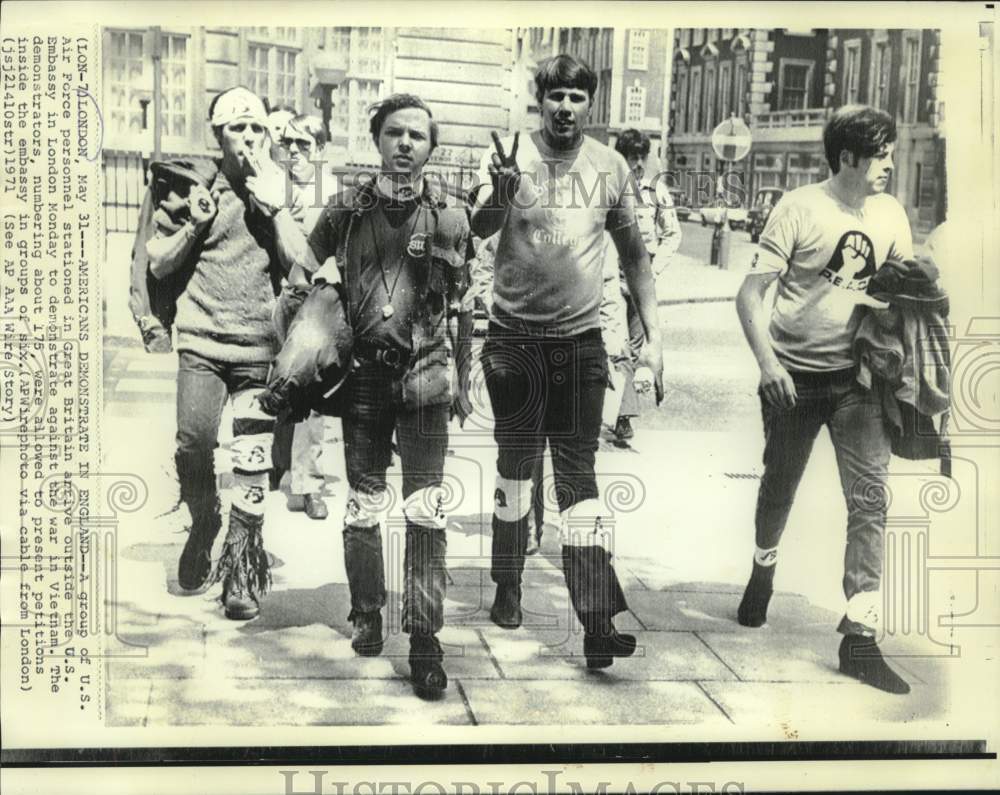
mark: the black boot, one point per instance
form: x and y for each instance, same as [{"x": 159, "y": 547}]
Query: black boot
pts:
[
  {"x": 861, "y": 658},
  {"x": 602, "y": 642},
  {"x": 426, "y": 673},
  {"x": 243, "y": 566},
  {"x": 506, "y": 610},
  {"x": 196, "y": 476},
  {"x": 366, "y": 639},
  {"x": 752, "y": 611}
]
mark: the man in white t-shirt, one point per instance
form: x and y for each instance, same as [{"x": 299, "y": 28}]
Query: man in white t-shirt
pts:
[
  {"x": 823, "y": 243},
  {"x": 544, "y": 361}
]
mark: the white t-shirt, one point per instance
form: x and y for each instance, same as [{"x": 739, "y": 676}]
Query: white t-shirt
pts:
[
  {"x": 549, "y": 258},
  {"x": 826, "y": 251}
]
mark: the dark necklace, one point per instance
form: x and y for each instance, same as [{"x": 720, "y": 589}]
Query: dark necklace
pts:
[{"x": 388, "y": 310}]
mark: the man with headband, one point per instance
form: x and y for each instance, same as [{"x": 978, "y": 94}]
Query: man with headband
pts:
[{"x": 231, "y": 255}]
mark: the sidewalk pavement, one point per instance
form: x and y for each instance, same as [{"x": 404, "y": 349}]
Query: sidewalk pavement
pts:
[{"x": 682, "y": 504}]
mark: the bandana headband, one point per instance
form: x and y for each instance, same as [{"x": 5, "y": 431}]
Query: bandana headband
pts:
[{"x": 238, "y": 103}]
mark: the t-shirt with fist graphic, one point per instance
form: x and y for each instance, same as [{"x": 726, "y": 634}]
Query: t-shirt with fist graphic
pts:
[{"x": 826, "y": 252}]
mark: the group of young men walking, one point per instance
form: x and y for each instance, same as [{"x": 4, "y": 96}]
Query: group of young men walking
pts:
[{"x": 389, "y": 256}]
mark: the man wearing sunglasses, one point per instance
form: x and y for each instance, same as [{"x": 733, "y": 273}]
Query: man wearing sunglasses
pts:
[
  {"x": 303, "y": 141},
  {"x": 230, "y": 256}
]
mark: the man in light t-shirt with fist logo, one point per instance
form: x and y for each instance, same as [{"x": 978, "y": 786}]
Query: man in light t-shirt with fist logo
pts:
[{"x": 823, "y": 243}]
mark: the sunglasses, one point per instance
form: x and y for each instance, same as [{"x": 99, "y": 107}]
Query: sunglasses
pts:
[{"x": 302, "y": 144}]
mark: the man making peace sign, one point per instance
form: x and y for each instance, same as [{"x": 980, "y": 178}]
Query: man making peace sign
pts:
[{"x": 551, "y": 196}]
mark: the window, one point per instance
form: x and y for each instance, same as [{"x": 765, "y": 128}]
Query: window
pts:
[
  {"x": 918, "y": 174},
  {"x": 257, "y": 69},
  {"x": 741, "y": 87},
  {"x": 366, "y": 52},
  {"x": 175, "y": 97},
  {"x": 273, "y": 69},
  {"x": 338, "y": 45},
  {"x": 725, "y": 90},
  {"x": 638, "y": 49},
  {"x": 635, "y": 104},
  {"x": 794, "y": 77},
  {"x": 911, "y": 75},
  {"x": 127, "y": 83},
  {"x": 685, "y": 37},
  {"x": 852, "y": 70},
  {"x": 709, "y": 102},
  {"x": 680, "y": 119},
  {"x": 881, "y": 66},
  {"x": 694, "y": 114},
  {"x": 698, "y": 37}
]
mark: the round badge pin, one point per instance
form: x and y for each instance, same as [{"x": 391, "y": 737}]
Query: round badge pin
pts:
[{"x": 417, "y": 246}]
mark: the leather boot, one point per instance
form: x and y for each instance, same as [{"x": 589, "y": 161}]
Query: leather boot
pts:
[
  {"x": 426, "y": 672},
  {"x": 752, "y": 611},
  {"x": 506, "y": 610},
  {"x": 196, "y": 476},
  {"x": 861, "y": 658},
  {"x": 366, "y": 638},
  {"x": 602, "y": 642},
  {"x": 243, "y": 566}
]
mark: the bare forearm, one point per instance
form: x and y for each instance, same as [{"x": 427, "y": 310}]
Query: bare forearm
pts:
[
  {"x": 641, "y": 287},
  {"x": 754, "y": 318},
  {"x": 167, "y": 254}
]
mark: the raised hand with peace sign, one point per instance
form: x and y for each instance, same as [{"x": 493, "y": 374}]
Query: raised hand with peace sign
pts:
[{"x": 504, "y": 173}]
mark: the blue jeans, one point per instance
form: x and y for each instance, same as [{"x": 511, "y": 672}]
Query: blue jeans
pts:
[
  {"x": 203, "y": 386},
  {"x": 853, "y": 415},
  {"x": 548, "y": 389},
  {"x": 372, "y": 413}
]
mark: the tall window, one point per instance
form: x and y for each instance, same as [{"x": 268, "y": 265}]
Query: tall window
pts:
[
  {"x": 911, "y": 77},
  {"x": 694, "y": 115},
  {"x": 709, "y": 103},
  {"x": 684, "y": 39},
  {"x": 881, "y": 65},
  {"x": 338, "y": 44},
  {"x": 638, "y": 49},
  {"x": 680, "y": 120},
  {"x": 918, "y": 175},
  {"x": 794, "y": 77},
  {"x": 741, "y": 87},
  {"x": 725, "y": 90},
  {"x": 366, "y": 52},
  {"x": 273, "y": 68},
  {"x": 635, "y": 105},
  {"x": 126, "y": 84},
  {"x": 257, "y": 69},
  {"x": 852, "y": 71},
  {"x": 175, "y": 85}
]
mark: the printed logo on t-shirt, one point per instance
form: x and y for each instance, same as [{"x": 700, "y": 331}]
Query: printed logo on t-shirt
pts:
[{"x": 852, "y": 263}]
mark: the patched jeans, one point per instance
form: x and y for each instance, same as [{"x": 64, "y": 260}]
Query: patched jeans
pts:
[
  {"x": 372, "y": 412},
  {"x": 550, "y": 389},
  {"x": 853, "y": 415}
]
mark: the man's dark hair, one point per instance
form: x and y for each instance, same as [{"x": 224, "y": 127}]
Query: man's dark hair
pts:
[
  {"x": 858, "y": 129},
  {"x": 383, "y": 110},
  {"x": 564, "y": 71},
  {"x": 633, "y": 143}
]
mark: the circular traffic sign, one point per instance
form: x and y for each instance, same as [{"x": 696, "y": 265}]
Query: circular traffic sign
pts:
[{"x": 731, "y": 139}]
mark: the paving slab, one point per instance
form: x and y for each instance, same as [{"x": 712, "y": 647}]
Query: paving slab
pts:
[
  {"x": 221, "y": 701},
  {"x": 601, "y": 699},
  {"x": 767, "y": 655},
  {"x": 709, "y": 611},
  {"x": 820, "y": 709},
  {"x": 558, "y": 655}
]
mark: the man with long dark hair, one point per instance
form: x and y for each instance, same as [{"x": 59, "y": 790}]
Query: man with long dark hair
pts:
[{"x": 825, "y": 241}]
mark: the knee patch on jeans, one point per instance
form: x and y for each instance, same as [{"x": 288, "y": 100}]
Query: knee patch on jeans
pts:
[
  {"x": 585, "y": 524},
  {"x": 364, "y": 509},
  {"x": 249, "y": 490},
  {"x": 253, "y": 434},
  {"x": 425, "y": 507},
  {"x": 511, "y": 499}
]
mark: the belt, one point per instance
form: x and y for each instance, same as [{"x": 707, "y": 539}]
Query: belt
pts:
[{"x": 366, "y": 350}]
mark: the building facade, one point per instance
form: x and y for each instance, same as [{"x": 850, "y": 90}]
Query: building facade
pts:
[
  {"x": 465, "y": 75},
  {"x": 784, "y": 83}
]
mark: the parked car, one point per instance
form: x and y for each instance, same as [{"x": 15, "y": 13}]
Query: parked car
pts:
[
  {"x": 718, "y": 213},
  {"x": 765, "y": 201},
  {"x": 680, "y": 204}
]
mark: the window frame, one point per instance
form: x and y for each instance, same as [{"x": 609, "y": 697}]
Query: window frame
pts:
[
  {"x": 851, "y": 46},
  {"x": 694, "y": 94},
  {"x": 910, "y": 94},
  {"x": 880, "y": 68},
  {"x": 725, "y": 89},
  {"x": 635, "y": 90},
  {"x": 810, "y": 67}
]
